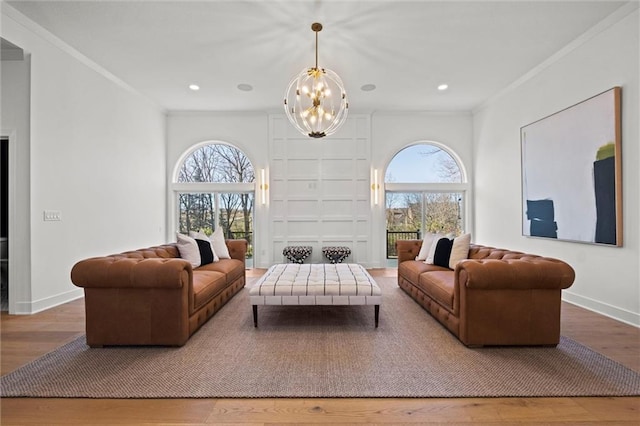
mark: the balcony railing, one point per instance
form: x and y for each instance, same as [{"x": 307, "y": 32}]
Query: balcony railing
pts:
[{"x": 393, "y": 236}]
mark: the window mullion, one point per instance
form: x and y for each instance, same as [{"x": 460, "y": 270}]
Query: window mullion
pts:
[
  {"x": 423, "y": 222},
  {"x": 216, "y": 209}
]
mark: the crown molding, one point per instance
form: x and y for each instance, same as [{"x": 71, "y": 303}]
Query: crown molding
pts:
[
  {"x": 615, "y": 17},
  {"x": 49, "y": 37}
]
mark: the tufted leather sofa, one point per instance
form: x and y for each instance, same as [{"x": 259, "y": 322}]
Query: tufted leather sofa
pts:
[
  {"x": 495, "y": 297},
  {"x": 153, "y": 297}
]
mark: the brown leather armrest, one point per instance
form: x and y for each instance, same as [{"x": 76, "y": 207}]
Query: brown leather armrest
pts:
[
  {"x": 524, "y": 273},
  {"x": 408, "y": 249},
  {"x": 237, "y": 248},
  {"x": 121, "y": 272}
]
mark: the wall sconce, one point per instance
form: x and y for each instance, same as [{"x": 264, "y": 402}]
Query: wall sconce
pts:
[
  {"x": 264, "y": 186},
  {"x": 375, "y": 186}
]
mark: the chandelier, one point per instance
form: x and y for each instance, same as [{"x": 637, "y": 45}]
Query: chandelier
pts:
[{"x": 315, "y": 101}]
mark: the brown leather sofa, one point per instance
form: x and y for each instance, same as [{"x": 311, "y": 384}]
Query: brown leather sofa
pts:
[
  {"x": 153, "y": 297},
  {"x": 495, "y": 297}
]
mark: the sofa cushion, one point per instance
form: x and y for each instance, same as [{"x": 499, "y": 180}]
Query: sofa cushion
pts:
[
  {"x": 231, "y": 268},
  {"x": 427, "y": 242},
  {"x": 459, "y": 250},
  {"x": 202, "y": 236},
  {"x": 188, "y": 249},
  {"x": 448, "y": 252},
  {"x": 206, "y": 253},
  {"x": 440, "y": 285},
  {"x": 411, "y": 269},
  {"x": 443, "y": 252},
  {"x": 432, "y": 250},
  {"x": 219, "y": 244},
  {"x": 206, "y": 284}
]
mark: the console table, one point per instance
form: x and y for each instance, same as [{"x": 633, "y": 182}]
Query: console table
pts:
[{"x": 297, "y": 254}]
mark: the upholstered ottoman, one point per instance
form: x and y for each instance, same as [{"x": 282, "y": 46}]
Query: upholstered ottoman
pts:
[
  {"x": 297, "y": 254},
  {"x": 336, "y": 254},
  {"x": 316, "y": 284}
]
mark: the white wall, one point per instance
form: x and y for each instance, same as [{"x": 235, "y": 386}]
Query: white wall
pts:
[
  {"x": 607, "y": 278},
  {"x": 97, "y": 155}
]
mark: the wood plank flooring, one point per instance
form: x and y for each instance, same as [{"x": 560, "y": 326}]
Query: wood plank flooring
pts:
[{"x": 25, "y": 338}]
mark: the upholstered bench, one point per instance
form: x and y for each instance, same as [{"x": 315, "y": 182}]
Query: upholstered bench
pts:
[{"x": 316, "y": 284}]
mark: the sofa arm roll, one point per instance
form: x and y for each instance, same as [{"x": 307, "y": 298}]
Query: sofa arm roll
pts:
[
  {"x": 523, "y": 273},
  {"x": 407, "y": 249},
  {"x": 237, "y": 249},
  {"x": 125, "y": 272}
]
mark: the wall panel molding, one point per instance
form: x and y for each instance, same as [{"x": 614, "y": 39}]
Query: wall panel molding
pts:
[{"x": 320, "y": 189}]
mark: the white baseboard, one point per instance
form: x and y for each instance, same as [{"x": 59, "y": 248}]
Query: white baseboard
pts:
[
  {"x": 619, "y": 314},
  {"x": 33, "y": 307}
]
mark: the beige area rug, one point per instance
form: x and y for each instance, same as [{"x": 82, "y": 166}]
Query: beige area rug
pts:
[{"x": 321, "y": 352}]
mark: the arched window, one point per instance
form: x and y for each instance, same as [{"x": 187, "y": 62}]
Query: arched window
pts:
[
  {"x": 214, "y": 187},
  {"x": 218, "y": 163},
  {"x": 423, "y": 163},
  {"x": 425, "y": 188}
]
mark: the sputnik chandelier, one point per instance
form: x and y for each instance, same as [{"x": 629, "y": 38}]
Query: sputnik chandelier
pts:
[{"x": 315, "y": 101}]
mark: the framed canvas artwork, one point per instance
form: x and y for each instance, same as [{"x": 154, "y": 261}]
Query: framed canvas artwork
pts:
[{"x": 572, "y": 173}]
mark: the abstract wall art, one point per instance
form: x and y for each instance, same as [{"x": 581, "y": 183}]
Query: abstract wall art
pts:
[{"x": 572, "y": 173}]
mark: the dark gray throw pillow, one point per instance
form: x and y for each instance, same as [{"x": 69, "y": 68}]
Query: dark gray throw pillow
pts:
[
  {"x": 443, "y": 252},
  {"x": 206, "y": 254}
]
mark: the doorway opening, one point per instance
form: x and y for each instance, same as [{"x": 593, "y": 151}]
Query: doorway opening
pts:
[{"x": 4, "y": 225}]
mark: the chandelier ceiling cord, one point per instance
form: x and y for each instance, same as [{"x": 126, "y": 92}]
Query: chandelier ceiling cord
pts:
[{"x": 315, "y": 101}]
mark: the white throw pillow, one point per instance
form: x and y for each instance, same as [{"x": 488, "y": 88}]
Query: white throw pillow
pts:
[
  {"x": 427, "y": 241},
  {"x": 459, "y": 250},
  {"x": 202, "y": 236},
  {"x": 219, "y": 246},
  {"x": 188, "y": 249},
  {"x": 432, "y": 249}
]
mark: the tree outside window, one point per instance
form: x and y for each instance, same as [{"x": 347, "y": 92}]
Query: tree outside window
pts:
[
  {"x": 232, "y": 211},
  {"x": 411, "y": 214}
]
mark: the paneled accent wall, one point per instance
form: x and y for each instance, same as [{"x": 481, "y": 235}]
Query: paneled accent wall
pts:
[{"x": 320, "y": 189}]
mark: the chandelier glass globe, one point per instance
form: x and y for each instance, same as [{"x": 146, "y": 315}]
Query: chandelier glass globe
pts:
[{"x": 315, "y": 101}]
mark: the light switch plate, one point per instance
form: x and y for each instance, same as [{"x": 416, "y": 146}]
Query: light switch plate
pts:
[{"x": 52, "y": 215}]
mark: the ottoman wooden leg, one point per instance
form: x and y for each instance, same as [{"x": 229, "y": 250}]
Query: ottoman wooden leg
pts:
[
  {"x": 255, "y": 315},
  {"x": 377, "y": 314}
]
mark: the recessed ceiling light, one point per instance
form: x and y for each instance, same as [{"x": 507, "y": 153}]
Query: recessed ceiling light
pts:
[
  {"x": 245, "y": 87},
  {"x": 443, "y": 87},
  {"x": 194, "y": 87},
  {"x": 368, "y": 87}
]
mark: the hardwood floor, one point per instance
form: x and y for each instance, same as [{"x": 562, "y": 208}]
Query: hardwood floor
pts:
[{"x": 25, "y": 338}]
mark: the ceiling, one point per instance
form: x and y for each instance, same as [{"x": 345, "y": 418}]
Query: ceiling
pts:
[{"x": 406, "y": 49}]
